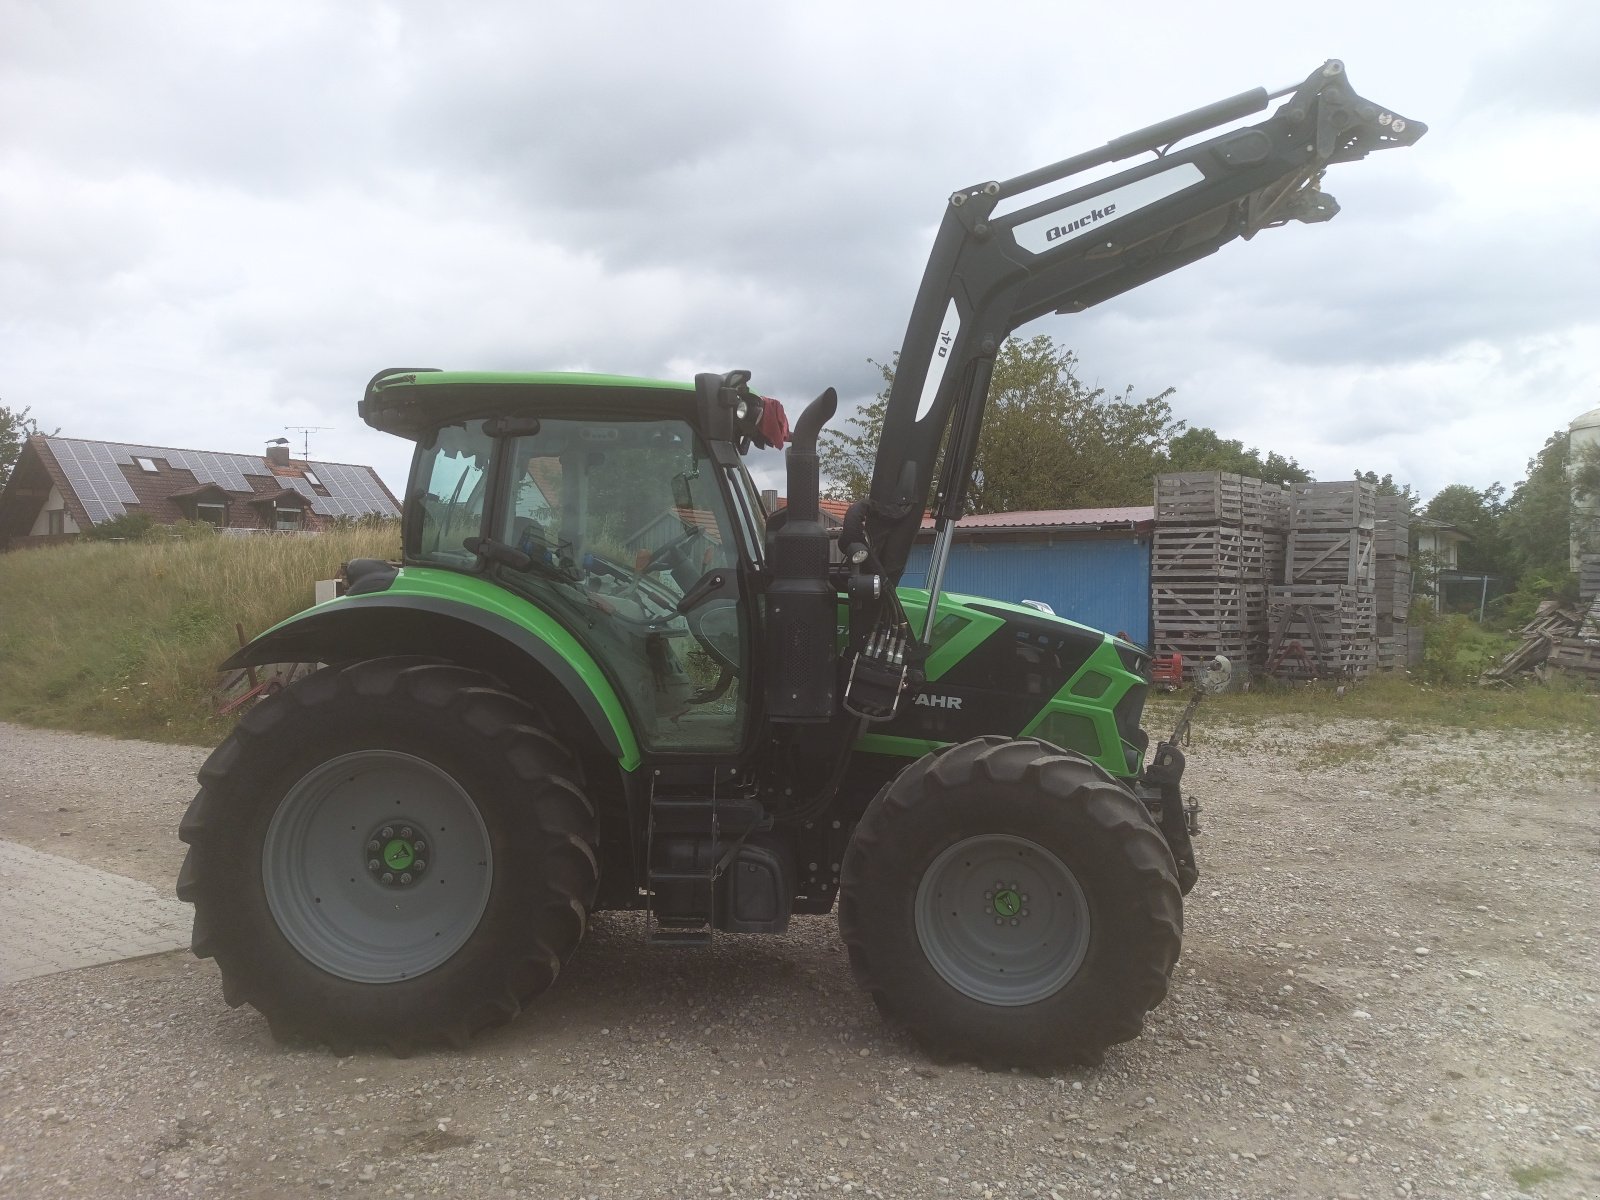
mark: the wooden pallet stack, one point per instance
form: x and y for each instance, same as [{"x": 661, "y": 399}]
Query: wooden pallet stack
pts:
[
  {"x": 1391, "y": 553},
  {"x": 1327, "y": 601},
  {"x": 1211, "y": 557},
  {"x": 1589, "y": 577}
]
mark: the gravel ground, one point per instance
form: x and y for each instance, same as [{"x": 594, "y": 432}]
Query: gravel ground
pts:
[{"x": 1389, "y": 988}]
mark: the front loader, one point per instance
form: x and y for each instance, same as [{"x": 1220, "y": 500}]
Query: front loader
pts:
[{"x": 604, "y": 678}]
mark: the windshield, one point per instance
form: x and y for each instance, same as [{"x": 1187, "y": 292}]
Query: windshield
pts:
[{"x": 628, "y": 508}]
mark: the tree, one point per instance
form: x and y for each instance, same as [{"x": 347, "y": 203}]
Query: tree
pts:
[
  {"x": 1538, "y": 517},
  {"x": 1204, "y": 449},
  {"x": 846, "y": 458},
  {"x": 1477, "y": 514},
  {"x": 1388, "y": 487},
  {"x": 1049, "y": 440},
  {"x": 16, "y": 427},
  {"x": 1553, "y": 505}
]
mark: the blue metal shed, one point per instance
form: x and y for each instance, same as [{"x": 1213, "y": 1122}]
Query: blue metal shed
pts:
[{"x": 1090, "y": 565}]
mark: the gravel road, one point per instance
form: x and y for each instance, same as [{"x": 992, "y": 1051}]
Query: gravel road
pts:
[{"x": 1390, "y": 987}]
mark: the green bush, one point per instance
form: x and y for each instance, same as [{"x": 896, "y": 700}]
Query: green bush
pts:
[
  {"x": 1515, "y": 609},
  {"x": 129, "y": 527},
  {"x": 1456, "y": 650}
]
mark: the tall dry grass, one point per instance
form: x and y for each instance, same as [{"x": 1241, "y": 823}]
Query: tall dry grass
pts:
[{"x": 125, "y": 638}]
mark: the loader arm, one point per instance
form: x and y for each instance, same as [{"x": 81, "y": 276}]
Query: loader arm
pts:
[{"x": 989, "y": 274}]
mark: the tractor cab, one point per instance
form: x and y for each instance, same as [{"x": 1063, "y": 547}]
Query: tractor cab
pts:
[{"x": 608, "y": 508}]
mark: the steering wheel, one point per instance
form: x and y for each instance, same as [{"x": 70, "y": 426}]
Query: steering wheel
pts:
[{"x": 671, "y": 555}]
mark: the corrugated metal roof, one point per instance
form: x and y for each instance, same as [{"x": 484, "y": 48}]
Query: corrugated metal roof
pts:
[{"x": 1056, "y": 518}]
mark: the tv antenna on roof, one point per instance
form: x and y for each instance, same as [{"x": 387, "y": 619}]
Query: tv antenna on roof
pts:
[{"x": 306, "y": 431}]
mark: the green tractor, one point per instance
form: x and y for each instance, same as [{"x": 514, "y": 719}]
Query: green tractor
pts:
[{"x": 605, "y": 678}]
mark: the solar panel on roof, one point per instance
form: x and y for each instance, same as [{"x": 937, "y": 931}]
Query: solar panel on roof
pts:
[
  {"x": 92, "y": 470},
  {"x": 353, "y": 491}
]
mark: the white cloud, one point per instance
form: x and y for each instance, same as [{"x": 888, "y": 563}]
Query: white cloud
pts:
[{"x": 219, "y": 220}]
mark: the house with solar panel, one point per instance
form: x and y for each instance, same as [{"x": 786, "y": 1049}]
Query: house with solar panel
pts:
[{"x": 62, "y": 487}]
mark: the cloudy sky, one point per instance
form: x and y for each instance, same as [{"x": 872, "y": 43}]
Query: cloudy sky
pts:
[{"x": 218, "y": 220}]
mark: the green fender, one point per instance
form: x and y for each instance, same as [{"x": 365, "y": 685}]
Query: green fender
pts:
[{"x": 424, "y": 611}]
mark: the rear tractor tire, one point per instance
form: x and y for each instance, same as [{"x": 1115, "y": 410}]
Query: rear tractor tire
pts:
[
  {"x": 391, "y": 853},
  {"x": 1010, "y": 902}
]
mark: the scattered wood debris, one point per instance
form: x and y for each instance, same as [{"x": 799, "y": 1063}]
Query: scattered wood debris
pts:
[{"x": 1568, "y": 638}]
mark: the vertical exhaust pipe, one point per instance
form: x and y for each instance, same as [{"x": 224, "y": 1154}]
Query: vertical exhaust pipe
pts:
[{"x": 802, "y": 606}]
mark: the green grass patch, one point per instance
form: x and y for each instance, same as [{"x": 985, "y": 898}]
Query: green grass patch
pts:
[
  {"x": 1402, "y": 701},
  {"x": 124, "y": 638},
  {"x": 1528, "y": 1178}
]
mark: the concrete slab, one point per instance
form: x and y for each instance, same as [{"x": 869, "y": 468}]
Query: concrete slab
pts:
[{"x": 60, "y": 914}]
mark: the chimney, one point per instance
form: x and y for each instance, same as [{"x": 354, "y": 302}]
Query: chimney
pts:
[{"x": 278, "y": 454}]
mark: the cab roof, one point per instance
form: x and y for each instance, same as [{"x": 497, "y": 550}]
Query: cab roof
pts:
[{"x": 408, "y": 400}]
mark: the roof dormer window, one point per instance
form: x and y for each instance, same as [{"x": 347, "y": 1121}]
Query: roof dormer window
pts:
[
  {"x": 311, "y": 478},
  {"x": 148, "y": 466}
]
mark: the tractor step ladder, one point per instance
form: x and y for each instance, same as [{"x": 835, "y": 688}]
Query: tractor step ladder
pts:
[{"x": 692, "y": 885}]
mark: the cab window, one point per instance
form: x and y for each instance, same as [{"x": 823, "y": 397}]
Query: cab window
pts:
[
  {"x": 621, "y": 520},
  {"x": 448, "y": 490}
]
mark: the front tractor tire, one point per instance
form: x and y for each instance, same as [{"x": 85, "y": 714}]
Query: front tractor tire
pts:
[
  {"x": 391, "y": 853},
  {"x": 1010, "y": 902}
]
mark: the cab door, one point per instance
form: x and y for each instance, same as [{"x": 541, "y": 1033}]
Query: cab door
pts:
[{"x": 631, "y": 542}]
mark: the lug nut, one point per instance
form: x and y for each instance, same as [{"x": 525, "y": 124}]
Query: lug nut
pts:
[
  {"x": 373, "y": 847},
  {"x": 386, "y": 832},
  {"x": 422, "y": 846},
  {"x": 405, "y": 831},
  {"x": 373, "y": 864},
  {"x": 406, "y": 878},
  {"x": 419, "y": 866},
  {"x": 388, "y": 877}
]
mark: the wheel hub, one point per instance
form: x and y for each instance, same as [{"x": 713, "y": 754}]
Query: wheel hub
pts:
[
  {"x": 397, "y": 854},
  {"x": 1002, "y": 919},
  {"x": 1007, "y": 903}
]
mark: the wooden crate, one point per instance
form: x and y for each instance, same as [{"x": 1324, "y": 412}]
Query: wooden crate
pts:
[
  {"x": 1342, "y": 619},
  {"x": 1575, "y": 654},
  {"x": 1589, "y": 576},
  {"x": 1204, "y": 498},
  {"x": 1254, "y": 596},
  {"x": 1392, "y": 586},
  {"x": 1273, "y": 509},
  {"x": 1197, "y": 552},
  {"x": 1197, "y": 609},
  {"x": 1275, "y": 555},
  {"x": 1391, "y": 511},
  {"x": 1351, "y": 504},
  {"x": 1391, "y": 542},
  {"x": 1323, "y": 556}
]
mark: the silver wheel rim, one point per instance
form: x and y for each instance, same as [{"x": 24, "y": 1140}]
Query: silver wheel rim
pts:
[
  {"x": 339, "y": 915},
  {"x": 1002, "y": 919}
]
